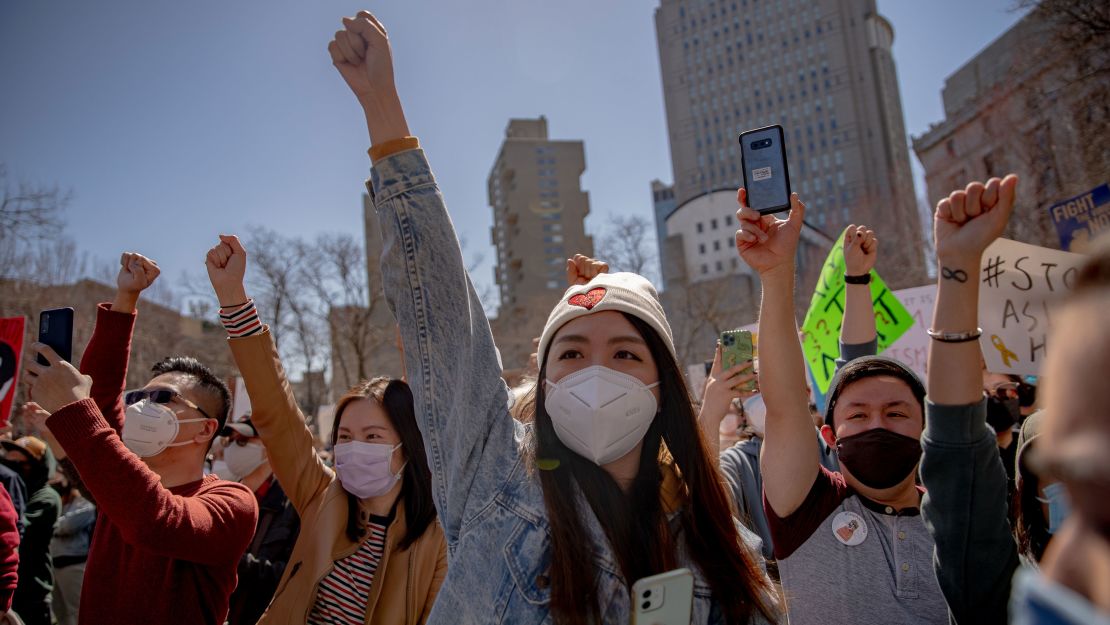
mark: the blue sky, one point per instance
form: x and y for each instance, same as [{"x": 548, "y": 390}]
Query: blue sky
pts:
[{"x": 174, "y": 121}]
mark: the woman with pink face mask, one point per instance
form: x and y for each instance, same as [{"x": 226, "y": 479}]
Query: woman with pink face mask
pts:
[{"x": 370, "y": 548}]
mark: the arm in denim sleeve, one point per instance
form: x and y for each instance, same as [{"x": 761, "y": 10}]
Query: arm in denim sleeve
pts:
[
  {"x": 451, "y": 362},
  {"x": 965, "y": 511}
]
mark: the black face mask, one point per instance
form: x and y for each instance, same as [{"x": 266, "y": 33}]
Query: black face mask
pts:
[
  {"x": 879, "y": 458},
  {"x": 1002, "y": 413}
]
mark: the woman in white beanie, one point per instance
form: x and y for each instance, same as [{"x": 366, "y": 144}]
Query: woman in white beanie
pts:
[{"x": 551, "y": 521}]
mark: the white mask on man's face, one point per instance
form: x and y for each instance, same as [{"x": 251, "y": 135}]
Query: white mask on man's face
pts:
[
  {"x": 599, "y": 413},
  {"x": 149, "y": 428},
  {"x": 243, "y": 459}
]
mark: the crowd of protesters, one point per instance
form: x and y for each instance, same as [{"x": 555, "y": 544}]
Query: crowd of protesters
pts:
[{"x": 446, "y": 497}]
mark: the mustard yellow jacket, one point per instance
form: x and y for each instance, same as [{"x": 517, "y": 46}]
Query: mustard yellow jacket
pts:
[{"x": 406, "y": 582}]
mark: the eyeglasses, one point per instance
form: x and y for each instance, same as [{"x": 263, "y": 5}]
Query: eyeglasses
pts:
[
  {"x": 1004, "y": 390},
  {"x": 161, "y": 396}
]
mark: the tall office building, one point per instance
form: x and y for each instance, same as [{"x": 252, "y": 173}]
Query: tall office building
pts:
[
  {"x": 823, "y": 70},
  {"x": 539, "y": 211},
  {"x": 663, "y": 203}
]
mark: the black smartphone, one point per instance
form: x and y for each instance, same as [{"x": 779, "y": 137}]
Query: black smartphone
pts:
[
  {"x": 766, "y": 175},
  {"x": 56, "y": 330}
]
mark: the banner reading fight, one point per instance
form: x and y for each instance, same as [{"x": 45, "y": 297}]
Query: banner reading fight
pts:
[
  {"x": 1082, "y": 218},
  {"x": 821, "y": 328},
  {"x": 11, "y": 348},
  {"x": 1019, "y": 284}
]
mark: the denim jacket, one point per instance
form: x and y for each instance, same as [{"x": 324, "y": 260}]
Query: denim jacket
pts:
[{"x": 489, "y": 502}]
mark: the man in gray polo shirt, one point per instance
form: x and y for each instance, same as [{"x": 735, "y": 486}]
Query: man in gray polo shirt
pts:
[{"x": 851, "y": 545}]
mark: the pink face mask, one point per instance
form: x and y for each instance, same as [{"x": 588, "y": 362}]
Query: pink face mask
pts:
[{"x": 363, "y": 468}]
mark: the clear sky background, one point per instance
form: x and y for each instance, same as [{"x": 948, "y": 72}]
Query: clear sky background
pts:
[{"x": 174, "y": 121}]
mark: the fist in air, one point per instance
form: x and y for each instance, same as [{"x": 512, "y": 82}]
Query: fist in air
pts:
[
  {"x": 581, "y": 269},
  {"x": 361, "y": 53},
  {"x": 970, "y": 219},
  {"x": 861, "y": 249},
  {"x": 227, "y": 265},
  {"x": 136, "y": 273}
]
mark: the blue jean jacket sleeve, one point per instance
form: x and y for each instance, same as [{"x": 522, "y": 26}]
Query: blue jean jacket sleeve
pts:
[
  {"x": 450, "y": 358},
  {"x": 965, "y": 511}
]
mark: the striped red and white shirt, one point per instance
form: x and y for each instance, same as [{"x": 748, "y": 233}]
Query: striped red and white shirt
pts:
[
  {"x": 241, "y": 320},
  {"x": 344, "y": 592}
]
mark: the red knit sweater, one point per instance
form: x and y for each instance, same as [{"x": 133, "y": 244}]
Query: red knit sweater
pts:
[
  {"x": 158, "y": 555},
  {"x": 9, "y": 550}
]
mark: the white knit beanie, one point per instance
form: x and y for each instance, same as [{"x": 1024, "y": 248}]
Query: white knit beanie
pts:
[{"x": 626, "y": 292}]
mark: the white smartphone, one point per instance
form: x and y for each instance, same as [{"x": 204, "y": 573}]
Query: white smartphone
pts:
[{"x": 663, "y": 599}]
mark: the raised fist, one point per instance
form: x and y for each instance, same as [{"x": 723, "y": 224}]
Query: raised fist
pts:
[
  {"x": 136, "y": 273},
  {"x": 581, "y": 269},
  {"x": 861, "y": 249},
  {"x": 227, "y": 265},
  {"x": 363, "y": 57},
  {"x": 969, "y": 220}
]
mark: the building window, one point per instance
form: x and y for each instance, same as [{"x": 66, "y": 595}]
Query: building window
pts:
[
  {"x": 716, "y": 246},
  {"x": 720, "y": 267},
  {"x": 701, "y": 248},
  {"x": 701, "y": 227},
  {"x": 704, "y": 269},
  {"x": 713, "y": 224},
  {"x": 553, "y": 284}
]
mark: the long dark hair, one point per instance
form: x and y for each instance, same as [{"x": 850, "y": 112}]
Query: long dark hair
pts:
[
  {"x": 1030, "y": 526},
  {"x": 635, "y": 523},
  {"x": 395, "y": 398}
]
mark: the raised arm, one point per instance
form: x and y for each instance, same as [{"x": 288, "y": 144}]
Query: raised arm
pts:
[
  {"x": 107, "y": 355},
  {"x": 769, "y": 245},
  {"x": 965, "y": 507},
  {"x": 721, "y": 387},
  {"x": 861, "y": 249},
  {"x": 451, "y": 361},
  {"x": 274, "y": 410}
]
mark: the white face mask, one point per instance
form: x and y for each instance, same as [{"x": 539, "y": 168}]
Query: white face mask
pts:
[
  {"x": 363, "y": 468},
  {"x": 149, "y": 428},
  {"x": 756, "y": 412},
  {"x": 242, "y": 459},
  {"x": 599, "y": 413}
]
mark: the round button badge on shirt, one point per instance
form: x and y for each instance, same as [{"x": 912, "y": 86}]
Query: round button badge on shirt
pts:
[{"x": 849, "y": 528}]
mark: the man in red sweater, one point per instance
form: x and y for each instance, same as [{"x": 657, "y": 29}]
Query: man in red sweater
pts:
[
  {"x": 9, "y": 552},
  {"x": 168, "y": 538}
]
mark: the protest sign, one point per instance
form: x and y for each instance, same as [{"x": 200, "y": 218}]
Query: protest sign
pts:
[
  {"x": 821, "y": 328},
  {"x": 1019, "y": 283},
  {"x": 912, "y": 348},
  {"x": 11, "y": 349},
  {"x": 1082, "y": 218}
]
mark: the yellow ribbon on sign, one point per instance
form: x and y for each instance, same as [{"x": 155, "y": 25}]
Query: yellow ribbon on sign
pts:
[{"x": 1003, "y": 350}]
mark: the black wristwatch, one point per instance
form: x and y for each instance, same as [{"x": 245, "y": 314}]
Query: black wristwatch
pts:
[{"x": 864, "y": 279}]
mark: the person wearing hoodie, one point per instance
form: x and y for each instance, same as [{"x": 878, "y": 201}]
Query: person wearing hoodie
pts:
[{"x": 32, "y": 459}]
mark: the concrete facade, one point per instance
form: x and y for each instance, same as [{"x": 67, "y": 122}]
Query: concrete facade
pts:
[
  {"x": 1023, "y": 105},
  {"x": 539, "y": 211},
  {"x": 824, "y": 71}
]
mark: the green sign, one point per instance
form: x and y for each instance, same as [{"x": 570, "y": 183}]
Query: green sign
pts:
[{"x": 821, "y": 328}]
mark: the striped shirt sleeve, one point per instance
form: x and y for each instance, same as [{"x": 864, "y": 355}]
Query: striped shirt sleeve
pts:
[{"x": 241, "y": 320}]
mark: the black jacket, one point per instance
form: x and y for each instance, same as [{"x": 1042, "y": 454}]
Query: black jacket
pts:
[{"x": 261, "y": 567}]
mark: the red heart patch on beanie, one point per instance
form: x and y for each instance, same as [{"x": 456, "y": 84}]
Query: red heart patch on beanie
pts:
[{"x": 588, "y": 299}]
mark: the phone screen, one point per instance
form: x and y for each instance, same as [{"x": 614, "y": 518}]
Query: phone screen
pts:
[{"x": 766, "y": 176}]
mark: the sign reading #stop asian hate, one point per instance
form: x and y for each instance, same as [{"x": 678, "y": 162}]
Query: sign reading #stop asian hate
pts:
[{"x": 1019, "y": 283}]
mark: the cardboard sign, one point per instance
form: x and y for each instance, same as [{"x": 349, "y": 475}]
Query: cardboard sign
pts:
[
  {"x": 821, "y": 328},
  {"x": 11, "y": 350},
  {"x": 912, "y": 348},
  {"x": 1082, "y": 218},
  {"x": 1018, "y": 284}
]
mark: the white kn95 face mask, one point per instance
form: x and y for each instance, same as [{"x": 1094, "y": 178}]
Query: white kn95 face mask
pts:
[{"x": 599, "y": 413}]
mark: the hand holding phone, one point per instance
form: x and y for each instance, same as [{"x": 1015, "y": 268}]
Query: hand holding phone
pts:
[
  {"x": 663, "y": 599},
  {"x": 766, "y": 174}
]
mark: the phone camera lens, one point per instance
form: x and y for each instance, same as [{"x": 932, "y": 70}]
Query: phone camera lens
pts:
[
  {"x": 647, "y": 594},
  {"x": 645, "y": 605}
]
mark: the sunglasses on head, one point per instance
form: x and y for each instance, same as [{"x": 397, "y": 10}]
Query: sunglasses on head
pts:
[{"x": 161, "y": 396}]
